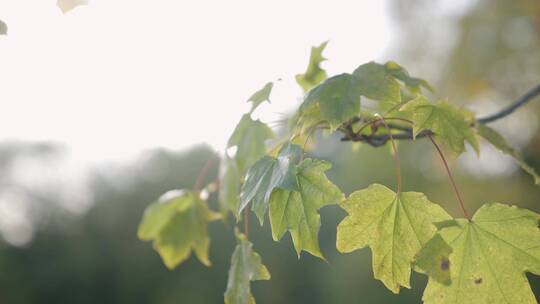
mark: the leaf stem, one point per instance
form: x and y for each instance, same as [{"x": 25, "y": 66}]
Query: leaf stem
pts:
[
  {"x": 396, "y": 156},
  {"x": 204, "y": 172},
  {"x": 456, "y": 190}
]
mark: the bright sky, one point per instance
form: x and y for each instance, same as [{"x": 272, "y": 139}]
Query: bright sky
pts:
[{"x": 118, "y": 76}]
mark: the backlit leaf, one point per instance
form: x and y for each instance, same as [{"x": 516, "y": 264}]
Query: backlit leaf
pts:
[
  {"x": 3, "y": 28},
  {"x": 229, "y": 187},
  {"x": 334, "y": 101},
  {"x": 297, "y": 211},
  {"x": 394, "y": 226},
  {"x": 314, "y": 73},
  {"x": 249, "y": 137},
  {"x": 260, "y": 96},
  {"x": 489, "y": 258},
  {"x": 500, "y": 143},
  {"x": 376, "y": 83},
  {"x": 449, "y": 123},
  {"x": 267, "y": 174},
  {"x": 177, "y": 224},
  {"x": 246, "y": 266},
  {"x": 68, "y": 5}
]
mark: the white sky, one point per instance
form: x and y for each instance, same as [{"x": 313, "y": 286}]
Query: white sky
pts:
[{"x": 118, "y": 76}]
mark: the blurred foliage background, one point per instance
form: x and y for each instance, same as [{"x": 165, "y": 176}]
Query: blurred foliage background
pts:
[{"x": 482, "y": 56}]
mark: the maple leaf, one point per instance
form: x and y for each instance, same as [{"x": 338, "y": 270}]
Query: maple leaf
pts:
[
  {"x": 450, "y": 124},
  {"x": 229, "y": 186},
  {"x": 314, "y": 73},
  {"x": 500, "y": 143},
  {"x": 394, "y": 226},
  {"x": 246, "y": 266},
  {"x": 260, "y": 96},
  {"x": 249, "y": 137},
  {"x": 297, "y": 211},
  {"x": 490, "y": 255},
  {"x": 177, "y": 223},
  {"x": 267, "y": 174},
  {"x": 334, "y": 101}
]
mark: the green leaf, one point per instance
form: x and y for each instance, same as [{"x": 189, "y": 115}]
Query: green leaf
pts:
[
  {"x": 376, "y": 83},
  {"x": 314, "y": 73},
  {"x": 500, "y": 143},
  {"x": 394, "y": 226},
  {"x": 260, "y": 96},
  {"x": 267, "y": 174},
  {"x": 3, "y": 28},
  {"x": 450, "y": 124},
  {"x": 177, "y": 224},
  {"x": 297, "y": 211},
  {"x": 246, "y": 266},
  {"x": 489, "y": 258},
  {"x": 434, "y": 260},
  {"x": 249, "y": 137},
  {"x": 334, "y": 101},
  {"x": 414, "y": 84},
  {"x": 229, "y": 187}
]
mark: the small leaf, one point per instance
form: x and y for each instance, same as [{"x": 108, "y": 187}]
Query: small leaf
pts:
[
  {"x": 246, "y": 266},
  {"x": 68, "y": 5},
  {"x": 376, "y": 83},
  {"x": 297, "y": 211},
  {"x": 267, "y": 174},
  {"x": 489, "y": 258},
  {"x": 229, "y": 187},
  {"x": 260, "y": 96},
  {"x": 334, "y": 101},
  {"x": 449, "y": 123},
  {"x": 500, "y": 143},
  {"x": 249, "y": 137},
  {"x": 3, "y": 28},
  {"x": 394, "y": 226},
  {"x": 178, "y": 225},
  {"x": 314, "y": 73}
]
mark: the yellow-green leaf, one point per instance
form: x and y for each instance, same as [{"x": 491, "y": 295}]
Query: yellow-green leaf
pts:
[
  {"x": 249, "y": 137},
  {"x": 3, "y": 28},
  {"x": 376, "y": 83},
  {"x": 177, "y": 224},
  {"x": 229, "y": 187},
  {"x": 449, "y": 123},
  {"x": 490, "y": 255},
  {"x": 68, "y": 5},
  {"x": 246, "y": 266},
  {"x": 394, "y": 226},
  {"x": 314, "y": 73},
  {"x": 297, "y": 211},
  {"x": 260, "y": 96},
  {"x": 500, "y": 143}
]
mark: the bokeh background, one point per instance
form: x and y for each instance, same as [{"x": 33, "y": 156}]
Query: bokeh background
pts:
[{"x": 100, "y": 116}]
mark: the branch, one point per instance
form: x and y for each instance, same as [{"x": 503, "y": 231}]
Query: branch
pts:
[{"x": 377, "y": 140}]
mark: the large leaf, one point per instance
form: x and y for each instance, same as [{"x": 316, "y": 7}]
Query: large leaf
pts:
[
  {"x": 249, "y": 137},
  {"x": 376, "y": 83},
  {"x": 489, "y": 258},
  {"x": 334, "y": 101},
  {"x": 229, "y": 186},
  {"x": 314, "y": 73},
  {"x": 297, "y": 211},
  {"x": 500, "y": 143},
  {"x": 267, "y": 174},
  {"x": 394, "y": 226},
  {"x": 246, "y": 266},
  {"x": 260, "y": 96},
  {"x": 177, "y": 223},
  {"x": 450, "y": 124}
]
